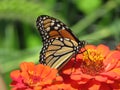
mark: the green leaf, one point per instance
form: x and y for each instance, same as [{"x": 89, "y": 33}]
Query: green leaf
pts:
[{"x": 88, "y": 6}]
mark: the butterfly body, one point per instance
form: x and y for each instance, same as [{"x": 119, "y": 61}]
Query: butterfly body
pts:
[{"x": 59, "y": 43}]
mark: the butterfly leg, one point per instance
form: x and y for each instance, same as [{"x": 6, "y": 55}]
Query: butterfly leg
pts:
[{"x": 74, "y": 63}]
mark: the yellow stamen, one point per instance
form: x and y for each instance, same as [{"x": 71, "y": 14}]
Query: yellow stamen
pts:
[{"x": 92, "y": 62}]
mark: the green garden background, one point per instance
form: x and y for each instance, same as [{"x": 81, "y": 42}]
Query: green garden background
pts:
[{"x": 95, "y": 21}]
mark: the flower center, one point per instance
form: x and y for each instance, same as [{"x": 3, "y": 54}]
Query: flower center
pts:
[
  {"x": 92, "y": 62},
  {"x": 33, "y": 79}
]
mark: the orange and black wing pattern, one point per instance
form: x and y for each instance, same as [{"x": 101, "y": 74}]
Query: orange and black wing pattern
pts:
[
  {"x": 50, "y": 27},
  {"x": 59, "y": 43}
]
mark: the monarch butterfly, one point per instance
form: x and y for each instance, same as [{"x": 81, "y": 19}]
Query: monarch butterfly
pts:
[{"x": 59, "y": 43}]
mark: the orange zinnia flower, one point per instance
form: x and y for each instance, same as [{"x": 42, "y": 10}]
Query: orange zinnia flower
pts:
[
  {"x": 97, "y": 68},
  {"x": 37, "y": 77}
]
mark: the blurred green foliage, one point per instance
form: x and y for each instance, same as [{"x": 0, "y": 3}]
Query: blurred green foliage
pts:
[{"x": 95, "y": 21}]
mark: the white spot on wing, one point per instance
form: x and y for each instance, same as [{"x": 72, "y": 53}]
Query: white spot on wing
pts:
[
  {"x": 52, "y": 23},
  {"x": 55, "y": 28}
]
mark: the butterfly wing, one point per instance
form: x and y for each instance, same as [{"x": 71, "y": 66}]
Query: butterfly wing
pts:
[
  {"x": 54, "y": 31},
  {"x": 58, "y": 52},
  {"x": 50, "y": 27}
]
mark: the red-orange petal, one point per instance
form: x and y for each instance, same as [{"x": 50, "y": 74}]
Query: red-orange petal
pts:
[
  {"x": 90, "y": 47},
  {"x": 15, "y": 74},
  {"x": 111, "y": 60},
  {"x": 93, "y": 85},
  {"x": 101, "y": 78},
  {"x": 60, "y": 87},
  {"x": 27, "y": 66},
  {"x": 103, "y": 49},
  {"x": 48, "y": 73}
]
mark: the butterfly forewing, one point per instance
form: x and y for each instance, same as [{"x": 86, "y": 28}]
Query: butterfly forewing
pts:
[{"x": 50, "y": 27}]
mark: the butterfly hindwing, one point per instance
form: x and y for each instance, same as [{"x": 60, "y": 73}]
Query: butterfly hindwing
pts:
[{"x": 58, "y": 51}]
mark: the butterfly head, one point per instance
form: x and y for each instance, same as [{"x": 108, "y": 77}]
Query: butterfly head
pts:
[{"x": 81, "y": 44}]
